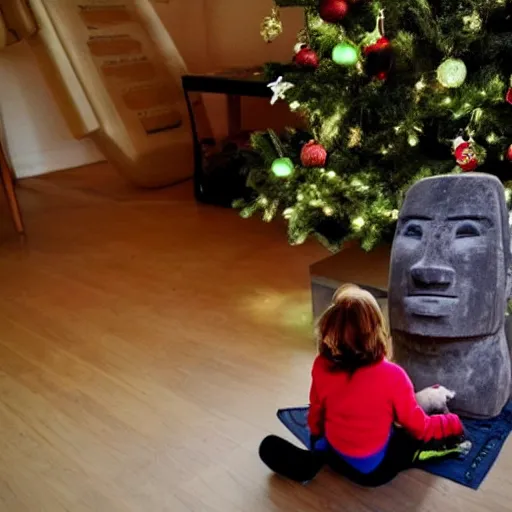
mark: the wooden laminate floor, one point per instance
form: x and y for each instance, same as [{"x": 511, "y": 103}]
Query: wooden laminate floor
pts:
[{"x": 145, "y": 344}]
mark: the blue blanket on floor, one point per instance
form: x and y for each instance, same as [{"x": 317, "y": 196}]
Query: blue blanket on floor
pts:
[{"x": 487, "y": 437}]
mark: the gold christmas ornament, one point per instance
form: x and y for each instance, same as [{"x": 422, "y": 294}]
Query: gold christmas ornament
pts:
[
  {"x": 271, "y": 27},
  {"x": 354, "y": 137}
]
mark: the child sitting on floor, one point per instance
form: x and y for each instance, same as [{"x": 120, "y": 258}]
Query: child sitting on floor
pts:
[{"x": 357, "y": 397}]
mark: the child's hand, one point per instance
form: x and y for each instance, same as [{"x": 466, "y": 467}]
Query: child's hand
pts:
[{"x": 434, "y": 400}]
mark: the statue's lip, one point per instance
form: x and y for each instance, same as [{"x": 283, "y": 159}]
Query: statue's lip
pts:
[
  {"x": 431, "y": 305},
  {"x": 433, "y": 295}
]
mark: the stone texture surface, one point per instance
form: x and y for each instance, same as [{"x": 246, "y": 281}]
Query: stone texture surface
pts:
[{"x": 448, "y": 290}]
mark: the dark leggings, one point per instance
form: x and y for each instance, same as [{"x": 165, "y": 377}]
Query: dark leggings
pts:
[
  {"x": 399, "y": 456},
  {"x": 302, "y": 465}
]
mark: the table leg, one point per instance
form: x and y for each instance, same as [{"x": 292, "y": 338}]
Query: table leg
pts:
[
  {"x": 234, "y": 115},
  {"x": 198, "y": 157}
]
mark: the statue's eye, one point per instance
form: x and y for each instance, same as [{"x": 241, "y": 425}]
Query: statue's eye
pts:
[
  {"x": 413, "y": 231},
  {"x": 467, "y": 230}
]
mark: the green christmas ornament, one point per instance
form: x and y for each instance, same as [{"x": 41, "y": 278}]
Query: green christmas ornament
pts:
[
  {"x": 452, "y": 73},
  {"x": 345, "y": 54},
  {"x": 282, "y": 167}
]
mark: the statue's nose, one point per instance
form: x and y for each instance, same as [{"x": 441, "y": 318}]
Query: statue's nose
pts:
[{"x": 433, "y": 275}]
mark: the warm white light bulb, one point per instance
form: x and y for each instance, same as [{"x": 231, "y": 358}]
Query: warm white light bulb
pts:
[
  {"x": 420, "y": 85},
  {"x": 359, "y": 185},
  {"x": 413, "y": 140},
  {"x": 492, "y": 138},
  {"x": 358, "y": 222},
  {"x": 288, "y": 213}
]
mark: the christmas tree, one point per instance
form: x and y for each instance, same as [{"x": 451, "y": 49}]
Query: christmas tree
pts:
[{"x": 391, "y": 91}]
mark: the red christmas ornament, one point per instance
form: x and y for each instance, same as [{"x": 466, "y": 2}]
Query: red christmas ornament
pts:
[
  {"x": 333, "y": 11},
  {"x": 307, "y": 58},
  {"x": 378, "y": 51},
  {"x": 508, "y": 97},
  {"x": 313, "y": 154},
  {"x": 381, "y": 44},
  {"x": 465, "y": 154},
  {"x": 509, "y": 153}
]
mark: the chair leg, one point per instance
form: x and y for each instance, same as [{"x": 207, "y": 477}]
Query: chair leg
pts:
[{"x": 10, "y": 192}]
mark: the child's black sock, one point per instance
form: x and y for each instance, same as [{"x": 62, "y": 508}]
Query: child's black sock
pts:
[{"x": 288, "y": 460}]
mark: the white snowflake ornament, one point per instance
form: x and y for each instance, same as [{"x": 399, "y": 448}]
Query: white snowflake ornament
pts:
[{"x": 279, "y": 88}]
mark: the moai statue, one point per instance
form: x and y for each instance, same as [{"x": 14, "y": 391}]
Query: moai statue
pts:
[{"x": 448, "y": 290}]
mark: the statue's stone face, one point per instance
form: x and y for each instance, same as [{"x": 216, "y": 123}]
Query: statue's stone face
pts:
[{"x": 449, "y": 258}]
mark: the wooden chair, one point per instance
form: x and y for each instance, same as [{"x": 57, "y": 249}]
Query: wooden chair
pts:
[
  {"x": 8, "y": 182},
  {"x": 16, "y": 23}
]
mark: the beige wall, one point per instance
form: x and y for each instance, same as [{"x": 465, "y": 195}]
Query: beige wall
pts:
[
  {"x": 185, "y": 20},
  {"x": 224, "y": 33},
  {"x": 218, "y": 34},
  {"x": 233, "y": 32}
]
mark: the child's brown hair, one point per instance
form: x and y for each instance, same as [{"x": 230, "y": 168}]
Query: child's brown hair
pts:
[{"x": 352, "y": 331}]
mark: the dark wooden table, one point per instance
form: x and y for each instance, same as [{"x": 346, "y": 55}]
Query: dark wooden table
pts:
[{"x": 234, "y": 84}]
